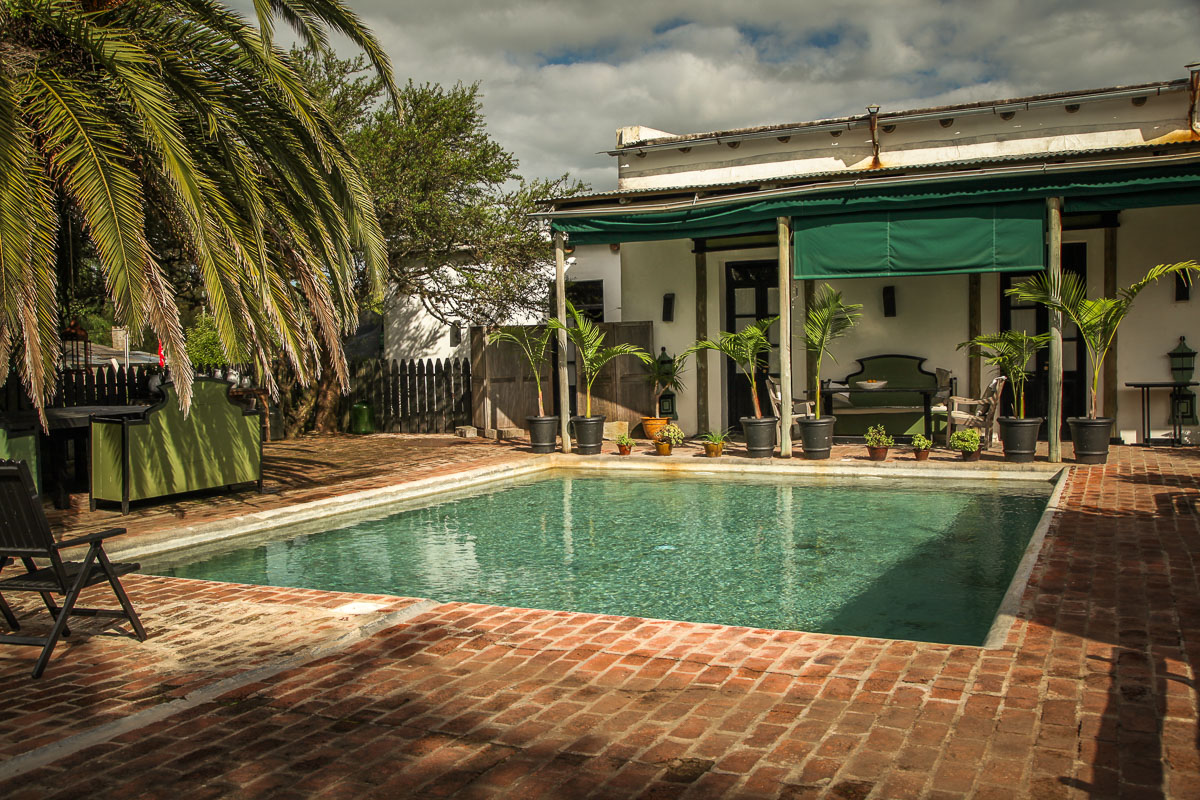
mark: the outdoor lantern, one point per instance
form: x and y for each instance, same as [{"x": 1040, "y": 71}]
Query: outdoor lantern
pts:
[{"x": 1183, "y": 362}]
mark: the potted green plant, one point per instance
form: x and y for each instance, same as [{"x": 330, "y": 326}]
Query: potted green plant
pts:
[
  {"x": 1009, "y": 352},
  {"x": 624, "y": 444},
  {"x": 967, "y": 441},
  {"x": 533, "y": 342},
  {"x": 669, "y": 436},
  {"x": 664, "y": 374},
  {"x": 1097, "y": 320},
  {"x": 714, "y": 442},
  {"x": 828, "y": 318},
  {"x": 748, "y": 349},
  {"x": 591, "y": 356},
  {"x": 921, "y": 446},
  {"x": 878, "y": 442}
]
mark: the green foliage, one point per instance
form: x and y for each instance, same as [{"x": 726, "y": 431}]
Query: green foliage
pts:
[
  {"x": 590, "y": 353},
  {"x": 965, "y": 440},
  {"x": 921, "y": 442},
  {"x": 747, "y": 348},
  {"x": 1097, "y": 318},
  {"x": 1010, "y": 351},
  {"x": 454, "y": 209},
  {"x": 107, "y": 109},
  {"x": 534, "y": 344},
  {"x": 665, "y": 375},
  {"x": 625, "y": 440},
  {"x": 827, "y": 319},
  {"x": 671, "y": 433},
  {"x": 203, "y": 343},
  {"x": 716, "y": 437},
  {"x": 877, "y": 436}
]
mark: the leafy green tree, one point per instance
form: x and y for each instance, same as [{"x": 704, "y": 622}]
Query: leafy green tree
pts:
[
  {"x": 454, "y": 210},
  {"x": 108, "y": 107}
]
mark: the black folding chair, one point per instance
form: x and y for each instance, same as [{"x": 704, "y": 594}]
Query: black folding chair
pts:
[{"x": 25, "y": 535}]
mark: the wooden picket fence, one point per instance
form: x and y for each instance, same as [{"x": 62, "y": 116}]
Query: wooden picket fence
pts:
[
  {"x": 414, "y": 396},
  {"x": 98, "y": 386}
]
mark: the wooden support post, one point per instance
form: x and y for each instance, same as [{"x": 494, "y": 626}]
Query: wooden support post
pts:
[
  {"x": 784, "y": 225},
  {"x": 810, "y": 358},
  {"x": 702, "y": 419},
  {"x": 1054, "y": 270},
  {"x": 974, "y": 328},
  {"x": 1110, "y": 290},
  {"x": 560, "y": 306}
]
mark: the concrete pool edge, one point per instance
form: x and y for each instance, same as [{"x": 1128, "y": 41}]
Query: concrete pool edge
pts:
[{"x": 1010, "y": 606}]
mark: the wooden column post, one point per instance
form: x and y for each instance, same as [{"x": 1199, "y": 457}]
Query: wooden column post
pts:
[
  {"x": 560, "y": 305},
  {"x": 1110, "y": 290},
  {"x": 784, "y": 225},
  {"x": 974, "y": 328},
  {"x": 1054, "y": 270},
  {"x": 702, "y": 419}
]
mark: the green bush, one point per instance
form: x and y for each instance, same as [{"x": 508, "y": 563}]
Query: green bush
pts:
[
  {"x": 921, "y": 442},
  {"x": 202, "y": 343},
  {"x": 965, "y": 441},
  {"x": 625, "y": 440},
  {"x": 671, "y": 433},
  {"x": 877, "y": 436}
]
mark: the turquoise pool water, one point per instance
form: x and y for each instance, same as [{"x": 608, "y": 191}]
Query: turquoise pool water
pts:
[{"x": 925, "y": 560}]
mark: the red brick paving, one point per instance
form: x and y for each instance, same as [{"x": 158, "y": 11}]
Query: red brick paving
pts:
[{"x": 1093, "y": 695}]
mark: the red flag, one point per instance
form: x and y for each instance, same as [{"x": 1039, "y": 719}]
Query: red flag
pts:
[{"x": 162, "y": 360}]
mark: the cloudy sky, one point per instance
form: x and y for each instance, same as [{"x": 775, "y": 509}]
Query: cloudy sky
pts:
[{"x": 560, "y": 76}]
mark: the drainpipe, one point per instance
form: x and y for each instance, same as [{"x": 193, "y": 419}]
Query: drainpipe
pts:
[
  {"x": 1194, "y": 97},
  {"x": 560, "y": 298},
  {"x": 873, "y": 122}
]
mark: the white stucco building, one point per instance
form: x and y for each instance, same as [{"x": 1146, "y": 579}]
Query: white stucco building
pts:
[{"x": 944, "y": 205}]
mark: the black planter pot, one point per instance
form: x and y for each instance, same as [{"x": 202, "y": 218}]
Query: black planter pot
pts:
[
  {"x": 543, "y": 433},
  {"x": 1020, "y": 438},
  {"x": 816, "y": 436},
  {"x": 588, "y": 434},
  {"x": 760, "y": 436},
  {"x": 1090, "y": 437}
]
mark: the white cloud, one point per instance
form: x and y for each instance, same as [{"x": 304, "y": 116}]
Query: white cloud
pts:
[{"x": 559, "y": 76}]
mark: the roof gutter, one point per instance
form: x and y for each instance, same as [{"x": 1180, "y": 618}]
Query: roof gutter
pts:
[
  {"x": 699, "y": 202},
  {"x": 848, "y": 123}
]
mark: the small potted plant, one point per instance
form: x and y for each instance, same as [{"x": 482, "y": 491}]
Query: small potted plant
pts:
[
  {"x": 664, "y": 374},
  {"x": 714, "y": 443},
  {"x": 968, "y": 442},
  {"x": 827, "y": 319},
  {"x": 878, "y": 442},
  {"x": 921, "y": 446},
  {"x": 669, "y": 436},
  {"x": 624, "y": 444}
]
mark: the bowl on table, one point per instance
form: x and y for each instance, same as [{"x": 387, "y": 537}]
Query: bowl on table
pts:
[{"x": 870, "y": 384}]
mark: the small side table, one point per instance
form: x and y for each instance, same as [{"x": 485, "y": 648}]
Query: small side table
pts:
[{"x": 1176, "y": 388}]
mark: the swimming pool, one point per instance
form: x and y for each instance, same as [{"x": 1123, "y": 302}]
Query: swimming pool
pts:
[{"x": 927, "y": 560}]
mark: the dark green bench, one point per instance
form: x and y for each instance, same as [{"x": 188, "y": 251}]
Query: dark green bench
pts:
[
  {"x": 19, "y": 442},
  {"x": 163, "y": 453},
  {"x": 902, "y": 413}
]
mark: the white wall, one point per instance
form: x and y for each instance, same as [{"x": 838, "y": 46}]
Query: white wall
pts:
[
  {"x": 1148, "y": 237},
  {"x": 600, "y": 262}
]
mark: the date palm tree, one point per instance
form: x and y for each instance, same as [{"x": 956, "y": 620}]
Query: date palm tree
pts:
[{"x": 111, "y": 110}]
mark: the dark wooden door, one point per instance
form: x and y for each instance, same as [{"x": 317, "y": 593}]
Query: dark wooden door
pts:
[
  {"x": 751, "y": 293},
  {"x": 1033, "y": 317}
]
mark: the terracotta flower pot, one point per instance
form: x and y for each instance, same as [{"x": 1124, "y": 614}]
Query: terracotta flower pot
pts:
[
  {"x": 624, "y": 449},
  {"x": 921, "y": 455},
  {"x": 662, "y": 448},
  {"x": 652, "y": 425},
  {"x": 972, "y": 455},
  {"x": 713, "y": 449},
  {"x": 877, "y": 453}
]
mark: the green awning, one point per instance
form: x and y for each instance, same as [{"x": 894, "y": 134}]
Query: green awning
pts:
[
  {"x": 945, "y": 240},
  {"x": 1127, "y": 187}
]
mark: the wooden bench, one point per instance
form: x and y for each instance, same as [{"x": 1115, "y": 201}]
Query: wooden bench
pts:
[{"x": 903, "y": 413}]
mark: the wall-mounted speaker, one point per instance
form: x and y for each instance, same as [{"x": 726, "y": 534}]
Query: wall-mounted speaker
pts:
[
  {"x": 669, "y": 307},
  {"x": 889, "y": 301}
]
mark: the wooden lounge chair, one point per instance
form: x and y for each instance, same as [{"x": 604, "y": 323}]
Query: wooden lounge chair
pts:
[
  {"x": 803, "y": 408},
  {"x": 25, "y": 536},
  {"x": 964, "y": 412}
]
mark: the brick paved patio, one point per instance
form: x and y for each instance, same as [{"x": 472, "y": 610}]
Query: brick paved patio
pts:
[{"x": 288, "y": 693}]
